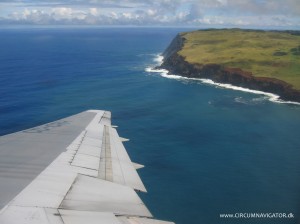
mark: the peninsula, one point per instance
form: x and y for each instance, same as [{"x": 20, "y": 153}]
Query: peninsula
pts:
[{"x": 268, "y": 61}]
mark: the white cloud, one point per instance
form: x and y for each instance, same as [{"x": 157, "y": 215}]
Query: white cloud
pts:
[
  {"x": 153, "y": 12},
  {"x": 62, "y": 13},
  {"x": 94, "y": 12}
]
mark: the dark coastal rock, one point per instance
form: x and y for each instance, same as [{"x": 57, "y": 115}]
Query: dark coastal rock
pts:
[
  {"x": 174, "y": 47},
  {"x": 176, "y": 64}
]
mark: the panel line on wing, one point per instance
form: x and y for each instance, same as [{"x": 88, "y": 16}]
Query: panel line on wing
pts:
[
  {"x": 117, "y": 158},
  {"x": 106, "y": 118},
  {"x": 105, "y": 165}
]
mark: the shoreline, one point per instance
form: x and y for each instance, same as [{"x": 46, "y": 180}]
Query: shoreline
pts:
[{"x": 165, "y": 73}]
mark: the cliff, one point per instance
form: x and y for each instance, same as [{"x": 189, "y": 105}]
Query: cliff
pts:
[{"x": 177, "y": 64}]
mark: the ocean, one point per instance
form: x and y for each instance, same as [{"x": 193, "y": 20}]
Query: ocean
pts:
[{"x": 207, "y": 150}]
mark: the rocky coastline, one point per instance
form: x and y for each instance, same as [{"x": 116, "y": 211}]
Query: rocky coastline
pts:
[{"x": 177, "y": 65}]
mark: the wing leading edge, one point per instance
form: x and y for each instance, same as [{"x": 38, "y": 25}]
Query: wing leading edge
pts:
[{"x": 92, "y": 181}]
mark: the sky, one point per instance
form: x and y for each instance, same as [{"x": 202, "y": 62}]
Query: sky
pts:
[{"x": 181, "y": 13}]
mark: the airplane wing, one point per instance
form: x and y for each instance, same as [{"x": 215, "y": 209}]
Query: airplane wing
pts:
[{"x": 91, "y": 180}]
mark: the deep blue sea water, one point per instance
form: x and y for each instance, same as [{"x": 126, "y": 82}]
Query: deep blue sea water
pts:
[{"x": 207, "y": 150}]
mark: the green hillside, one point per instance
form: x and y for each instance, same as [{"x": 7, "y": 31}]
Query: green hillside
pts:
[{"x": 264, "y": 53}]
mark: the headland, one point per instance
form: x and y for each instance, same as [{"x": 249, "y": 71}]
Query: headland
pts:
[{"x": 267, "y": 61}]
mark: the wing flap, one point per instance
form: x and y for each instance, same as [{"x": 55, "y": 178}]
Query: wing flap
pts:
[
  {"x": 86, "y": 161},
  {"x": 87, "y": 217},
  {"x": 85, "y": 195}
]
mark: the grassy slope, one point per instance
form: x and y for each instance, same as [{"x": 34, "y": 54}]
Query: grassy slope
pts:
[{"x": 249, "y": 50}]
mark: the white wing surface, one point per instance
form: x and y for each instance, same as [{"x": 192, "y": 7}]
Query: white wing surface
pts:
[{"x": 92, "y": 179}]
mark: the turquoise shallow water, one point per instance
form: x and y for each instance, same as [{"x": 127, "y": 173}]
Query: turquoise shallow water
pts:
[{"x": 207, "y": 150}]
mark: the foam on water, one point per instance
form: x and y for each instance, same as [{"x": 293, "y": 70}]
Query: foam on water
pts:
[
  {"x": 165, "y": 73},
  {"x": 159, "y": 59}
]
